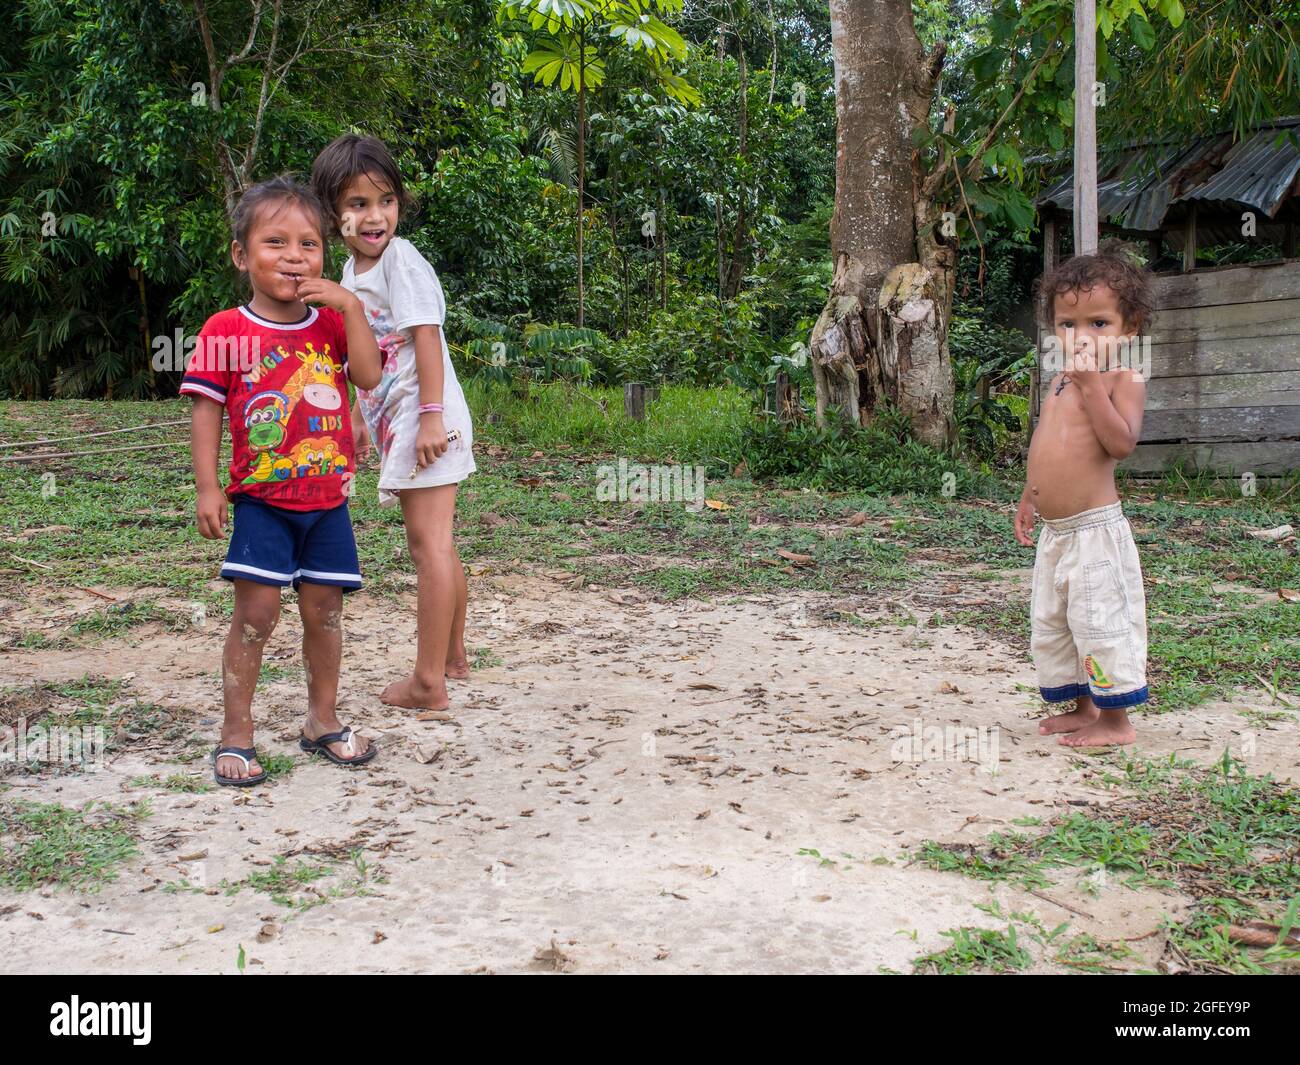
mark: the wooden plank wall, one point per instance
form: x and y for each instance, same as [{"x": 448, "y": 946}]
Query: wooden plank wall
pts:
[{"x": 1224, "y": 392}]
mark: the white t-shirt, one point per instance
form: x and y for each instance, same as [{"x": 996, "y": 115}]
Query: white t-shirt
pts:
[{"x": 400, "y": 292}]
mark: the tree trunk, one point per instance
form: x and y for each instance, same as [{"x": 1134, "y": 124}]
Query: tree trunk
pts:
[
  {"x": 736, "y": 270},
  {"x": 582, "y": 161},
  {"x": 883, "y": 334}
]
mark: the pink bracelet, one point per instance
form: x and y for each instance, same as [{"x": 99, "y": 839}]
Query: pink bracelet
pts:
[{"x": 430, "y": 408}]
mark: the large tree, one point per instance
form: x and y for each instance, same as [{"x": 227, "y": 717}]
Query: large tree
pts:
[
  {"x": 909, "y": 187},
  {"x": 883, "y": 333}
]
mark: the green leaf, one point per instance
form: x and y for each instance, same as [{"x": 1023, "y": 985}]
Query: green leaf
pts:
[{"x": 1141, "y": 32}]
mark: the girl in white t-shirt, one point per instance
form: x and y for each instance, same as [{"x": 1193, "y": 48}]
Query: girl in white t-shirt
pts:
[{"x": 417, "y": 415}]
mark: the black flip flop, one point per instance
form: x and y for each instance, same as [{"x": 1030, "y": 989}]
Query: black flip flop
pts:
[
  {"x": 245, "y": 755},
  {"x": 321, "y": 746}
]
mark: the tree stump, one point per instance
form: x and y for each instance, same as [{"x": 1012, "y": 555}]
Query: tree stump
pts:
[{"x": 788, "y": 408}]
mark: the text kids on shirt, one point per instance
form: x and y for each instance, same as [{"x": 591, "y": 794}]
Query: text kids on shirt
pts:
[
  {"x": 417, "y": 409},
  {"x": 275, "y": 368}
]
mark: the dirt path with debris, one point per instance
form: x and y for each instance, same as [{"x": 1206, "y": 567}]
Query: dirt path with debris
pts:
[{"x": 628, "y": 791}]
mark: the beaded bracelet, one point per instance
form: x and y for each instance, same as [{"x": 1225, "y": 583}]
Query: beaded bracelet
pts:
[{"x": 430, "y": 408}]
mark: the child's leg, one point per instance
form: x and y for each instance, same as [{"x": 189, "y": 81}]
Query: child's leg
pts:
[
  {"x": 321, "y": 609},
  {"x": 257, "y": 609},
  {"x": 428, "y": 513},
  {"x": 457, "y": 659}
]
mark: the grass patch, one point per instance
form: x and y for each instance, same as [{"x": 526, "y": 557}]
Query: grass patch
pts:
[
  {"x": 300, "y": 885},
  {"x": 1220, "y": 835},
  {"x": 46, "y": 843},
  {"x": 180, "y": 783}
]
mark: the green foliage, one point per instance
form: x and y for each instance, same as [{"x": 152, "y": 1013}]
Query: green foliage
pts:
[{"x": 881, "y": 458}]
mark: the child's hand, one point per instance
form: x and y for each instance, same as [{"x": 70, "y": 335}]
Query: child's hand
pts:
[
  {"x": 431, "y": 442},
  {"x": 360, "y": 439},
  {"x": 210, "y": 511},
  {"x": 330, "y": 293},
  {"x": 1025, "y": 522}
]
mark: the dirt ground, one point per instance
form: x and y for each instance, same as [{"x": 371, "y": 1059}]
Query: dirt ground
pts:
[{"x": 629, "y": 790}]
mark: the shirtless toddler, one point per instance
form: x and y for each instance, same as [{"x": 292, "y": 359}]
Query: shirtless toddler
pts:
[{"x": 1088, "y": 610}]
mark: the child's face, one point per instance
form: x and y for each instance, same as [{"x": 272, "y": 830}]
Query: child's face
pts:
[
  {"x": 1089, "y": 322},
  {"x": 367, "y": 210},
  {"x": 285, "y": 246}
]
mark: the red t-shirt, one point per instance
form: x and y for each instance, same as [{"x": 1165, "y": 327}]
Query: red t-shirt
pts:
[{"x": 285, "y": 394}]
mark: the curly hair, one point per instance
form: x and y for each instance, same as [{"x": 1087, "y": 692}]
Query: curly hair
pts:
[{"x": 1114, "y": 266}]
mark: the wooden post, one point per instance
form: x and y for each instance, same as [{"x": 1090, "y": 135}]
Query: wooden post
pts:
[
  {"x": 1189, "y": 242},
  {"x": 634, "y": 400},
  {"x": 1085, "y": 127}
]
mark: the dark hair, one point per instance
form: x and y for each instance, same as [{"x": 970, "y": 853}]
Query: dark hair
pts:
[
  {"x": 282, "y": 189},
  {"x": 1115, "y": 267},
  {"x": 346, "y": 158}
]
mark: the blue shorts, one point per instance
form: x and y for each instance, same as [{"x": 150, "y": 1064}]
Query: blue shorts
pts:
[{"x": 271, "y": 545}]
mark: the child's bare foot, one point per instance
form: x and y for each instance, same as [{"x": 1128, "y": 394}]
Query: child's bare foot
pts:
[
  {"x": 414, "y": 694},
  {"x": 1111, "y": 729},
  {"x": 1071, "y": 722},
  {"x": 457, "y": 668}
]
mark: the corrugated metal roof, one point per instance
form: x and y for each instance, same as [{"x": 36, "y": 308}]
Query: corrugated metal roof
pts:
[{"x": 1140, "y": 186}]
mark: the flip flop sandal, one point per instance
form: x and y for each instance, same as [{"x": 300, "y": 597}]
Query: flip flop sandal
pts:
[
  {"x": 321, "y": 746},
  {"x": 245, "y": 755}
]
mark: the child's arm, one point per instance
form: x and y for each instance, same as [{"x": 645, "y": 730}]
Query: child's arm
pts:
[
  {"x": 365, "y": 367},
  {"x": 1117, "y": 419},
  {"x": 431, "y": 441},
  {"x": 1025, "y": 518},
  {"x": 205, "y": 448}
]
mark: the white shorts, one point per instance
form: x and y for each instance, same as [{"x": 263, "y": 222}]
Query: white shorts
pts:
[{"x": 1088, "y": 616}]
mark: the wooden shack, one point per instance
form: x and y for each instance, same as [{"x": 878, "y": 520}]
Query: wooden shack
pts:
[{"x": 1224, "y": 392}]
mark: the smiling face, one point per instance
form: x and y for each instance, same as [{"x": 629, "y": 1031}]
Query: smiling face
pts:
[
  {"x": 284, "y": 246},
  {"x": 368, "y": 210}
]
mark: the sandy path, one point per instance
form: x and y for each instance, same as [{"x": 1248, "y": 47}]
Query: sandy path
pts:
[{"x": 632, "y": 784}]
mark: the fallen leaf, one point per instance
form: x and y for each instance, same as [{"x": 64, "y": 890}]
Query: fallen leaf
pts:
[
  {"x": 267, "y": 933},
  {"x": 215, "y": 928},
  {"x": 1288, "y": 595},
  {"x": 797, "y": 559},
  {"x": 379, "y": 937},
  {"x": 1281, "y": 532},
  {"x": 717, "y": 504},
  {"x": 433, "y": 715}
]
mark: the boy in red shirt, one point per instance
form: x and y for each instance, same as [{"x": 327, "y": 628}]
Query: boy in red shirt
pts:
[{"x": 275, "y": 366}]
